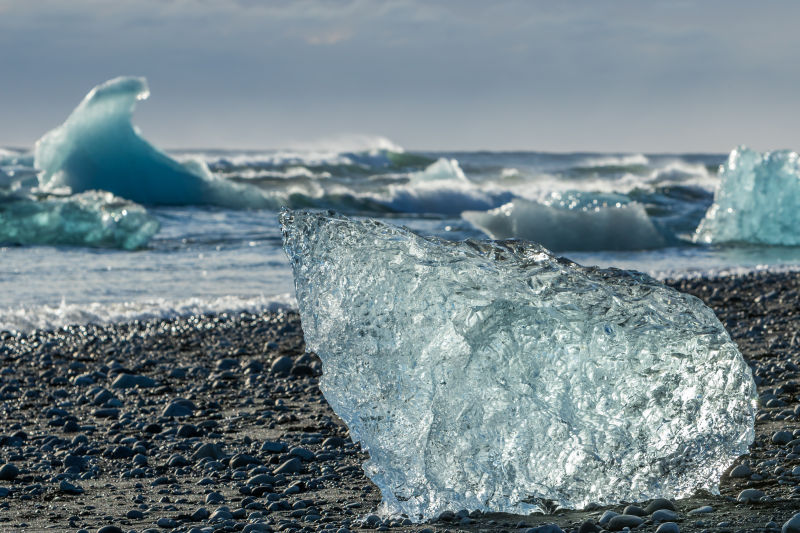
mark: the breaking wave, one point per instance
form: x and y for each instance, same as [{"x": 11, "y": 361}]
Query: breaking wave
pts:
[
  {"x": 571, "y": 227},
  {"x": 46, "y": 317}
]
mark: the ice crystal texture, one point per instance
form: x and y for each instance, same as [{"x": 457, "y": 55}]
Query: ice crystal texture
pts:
[
  {"x": 496, "y": 376},
  {"x": 756, "y": 200}
]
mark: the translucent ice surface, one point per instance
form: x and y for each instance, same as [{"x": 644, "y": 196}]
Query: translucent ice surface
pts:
[
  {"x": 98, "y": 148},
  {"x": 95, "y": 219},
  {"x": 496, "y": 376},
  {"x": 756, "y": 200}
]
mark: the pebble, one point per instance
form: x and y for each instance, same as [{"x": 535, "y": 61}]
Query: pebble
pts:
[
  {"x": 664, "y": 515},
  {"x": 208, "y": 450},
  {"x": 624, "y": 520},
  {"x": 291, "y": 466},
  {"x": 8, "y": 472},
  {"x": 273, "y": 447},
  {"x": 588, "y": 527},
  {"x": 546, "y": 528},
  {"x": 750, "y": 496},
  {"x": 668, "y": 527},
  {"x": 68, "y": 488},
  {"x": 281, "y": 365},
  {"x": 782, "y": 437},
  {"x": 741, "y": 471},
  {"x": 659, "y": 503},
  {"x": 129, "y": 381},
  {"x": 634, "y": 510},
  {"x": 792, "y": 525},
  {"x": 606, "y": 516},
  {"x": 178, "y": 408},
  {"x": 166, "y": 523},
  {"x": 110, "y": 529},
  {"x": 702, "y": 510}
]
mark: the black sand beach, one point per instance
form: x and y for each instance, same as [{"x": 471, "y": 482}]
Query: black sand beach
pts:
[{"x": 216, "y": 423}]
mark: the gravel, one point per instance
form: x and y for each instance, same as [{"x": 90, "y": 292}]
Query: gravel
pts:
[{"x": 216, "y": 423}]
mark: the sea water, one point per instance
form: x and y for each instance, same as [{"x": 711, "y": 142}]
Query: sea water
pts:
[
  {"x": 196, "y": 231},
  {"x": 211, "y": 259}
]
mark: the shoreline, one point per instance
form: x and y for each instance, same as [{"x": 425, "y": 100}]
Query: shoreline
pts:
[{"x": 93, "y": 409}]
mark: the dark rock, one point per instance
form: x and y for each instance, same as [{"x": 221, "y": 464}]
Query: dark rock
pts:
[
  {"x": 792, "y": 525},
  {"x": 273, "y": 447},
  {"x": 291, "y": 466},
  {"x": 634, "y": 510},
  {"x": 68, "y": 488},
  {"x": 750, "y": 496},
  {"x": 659, "y": 503},
  {"x": 208, "y": 450},
  {"x": 8, "y": 472},
  {"x": 129, "y": 381},
  {"x": 624, "y": 520},
  {"x": 281, "y": 366},
  {"x": 546, "y": 528}
]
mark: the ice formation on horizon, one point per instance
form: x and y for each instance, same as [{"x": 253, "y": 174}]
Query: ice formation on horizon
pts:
[
  {"x": 496, "y": 376},
  {"x": 98, "y": 148},
  {"x": 605, "y": 227},
  {"x": 756, "y": 200},
  {"x": 93, "y": 218}
]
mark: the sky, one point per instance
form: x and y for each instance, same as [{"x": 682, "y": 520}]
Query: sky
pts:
[{"x": 628, "y": 76}]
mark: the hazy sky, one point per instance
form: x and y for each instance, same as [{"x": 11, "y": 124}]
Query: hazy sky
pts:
[{"x": 534, "y": 75}]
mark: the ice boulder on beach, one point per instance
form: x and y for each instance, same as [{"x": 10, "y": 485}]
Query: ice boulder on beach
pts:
[
  {"x": 756, "y": 200},
  {"x": 98, "y": 148},
  {"x": 497, "y": 376}
]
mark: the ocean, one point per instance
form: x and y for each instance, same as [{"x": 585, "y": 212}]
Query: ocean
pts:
[{"x": 196, "y": 231}]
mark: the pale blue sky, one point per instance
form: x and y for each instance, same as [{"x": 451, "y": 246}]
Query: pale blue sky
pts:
[{"x": 534, "y": 75}]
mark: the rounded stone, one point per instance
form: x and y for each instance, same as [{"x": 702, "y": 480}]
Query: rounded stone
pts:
[
  {"x": 291, "y": 466},
  {"x": 792, "y": 525},
  {"x": 750, "y": 496},
  {"x": 664, "y": 515},
  {"x": 668, "y": 527},
  {"x": 281, "y": 365},
  {"x": 110, "y": 529},
  {"x": 634, "y": 510},
  {"x": 741, "y": 471},
  {"x": 659, "y": 503},
  {"x": 782, "y": 437},
  {"x": 619, "y": 522},
  {"x": 8, "y": 472}
]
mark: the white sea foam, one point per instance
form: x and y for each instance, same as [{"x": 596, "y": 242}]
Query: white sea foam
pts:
[
  {"x": 52, "y": 317},
  {"x": 614, "y": 227},
  {"x": 625, "y": 160}
]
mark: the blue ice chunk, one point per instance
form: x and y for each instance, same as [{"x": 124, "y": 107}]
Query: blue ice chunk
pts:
[
  {"x": 756, "y": 201},
  {"x": 98, "y": 148},
  {"x": 93, "y": 218},
  {"x": 497, "y": 376}
]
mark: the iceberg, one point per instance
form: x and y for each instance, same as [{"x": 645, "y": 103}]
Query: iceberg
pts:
[
  {"x": 756, "y": 200},
  {"x": 98, "y": 148},
  {"x": 605, "y": 227},
  {"x": 95, "y": 219},
  {"x": 499, "y": 377}
]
